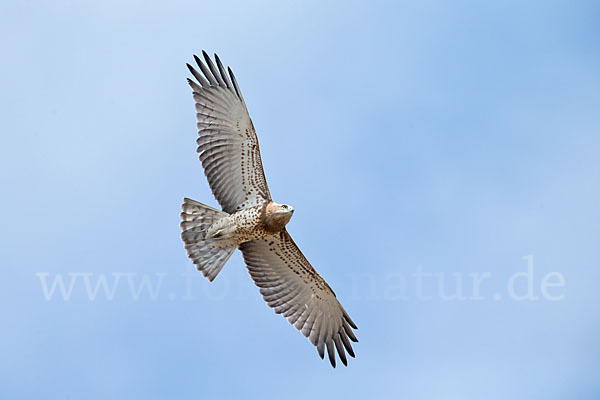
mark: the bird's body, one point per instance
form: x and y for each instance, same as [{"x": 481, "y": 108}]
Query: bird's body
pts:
[
  {"x": 249, "y": 224},
  {"x": 251, "y": 220}
]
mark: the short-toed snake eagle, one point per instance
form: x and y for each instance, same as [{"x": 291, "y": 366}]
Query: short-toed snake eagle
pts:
[{"x": 251, "y": 220}]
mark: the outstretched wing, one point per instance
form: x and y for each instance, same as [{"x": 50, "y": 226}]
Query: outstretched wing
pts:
[
  {"x": 227, "y": 142},
  {"x": 290, "y": 285}
]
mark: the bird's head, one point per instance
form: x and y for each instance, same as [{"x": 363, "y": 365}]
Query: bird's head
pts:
[
  {"x": 278, "y": 215},
  {"x": 285, "y": 209}
]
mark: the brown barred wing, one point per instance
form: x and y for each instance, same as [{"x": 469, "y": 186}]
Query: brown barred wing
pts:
[
  {"x": 227, "y": 143},
  {"x": 292, "y": 287}
]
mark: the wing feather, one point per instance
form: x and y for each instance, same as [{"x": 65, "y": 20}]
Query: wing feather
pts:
[
  {"x": 199, "y": 78},
  {"x": 222, "y": 71},
  {"x": 205, "y": 71},
  {"x": 235, "y": 84},
  {"x": 212, "y": 68},
  {"x": 291, "y": 286},
  {"x": 227, "y": 144}
]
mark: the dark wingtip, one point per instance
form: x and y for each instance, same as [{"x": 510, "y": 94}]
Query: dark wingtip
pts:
[
  {"x": 206, "y": 57},
  {"x": 349, "y": 320}
]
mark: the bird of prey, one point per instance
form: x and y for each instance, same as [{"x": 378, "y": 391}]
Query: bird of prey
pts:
[{"x": 251, "y": 220}]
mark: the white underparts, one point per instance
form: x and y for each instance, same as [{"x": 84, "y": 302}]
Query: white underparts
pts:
[{"x": 237, "y": 228}]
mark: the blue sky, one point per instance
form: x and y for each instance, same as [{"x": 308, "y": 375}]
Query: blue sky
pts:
[{"x": 455, "y": 141}]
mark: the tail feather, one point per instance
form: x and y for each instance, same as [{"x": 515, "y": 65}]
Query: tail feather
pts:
[{"x": 196, "y": 218}]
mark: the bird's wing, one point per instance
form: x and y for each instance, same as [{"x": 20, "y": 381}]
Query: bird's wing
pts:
[
  {"x": 291, "y": 286},
  {"x": 227, "y": 142}
]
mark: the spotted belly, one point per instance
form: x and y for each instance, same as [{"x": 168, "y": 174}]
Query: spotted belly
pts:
[{"x": 237, "y": 228}]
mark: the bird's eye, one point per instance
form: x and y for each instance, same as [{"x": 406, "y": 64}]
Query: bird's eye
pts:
[{"x": 284, "y": 207}]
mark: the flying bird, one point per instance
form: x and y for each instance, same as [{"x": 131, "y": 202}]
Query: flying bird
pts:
[{"x": 250, "y": 220}]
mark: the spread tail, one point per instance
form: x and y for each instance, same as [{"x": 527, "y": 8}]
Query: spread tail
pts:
[{"x": 196, "y": 218}]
